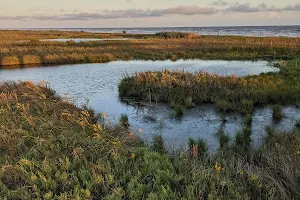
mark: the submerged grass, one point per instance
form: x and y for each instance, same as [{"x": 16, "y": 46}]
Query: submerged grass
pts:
[
  {"x": 228, "y": 93},
  {"x": 24, "y": 47},
  {"x": 51, "y": 149}
]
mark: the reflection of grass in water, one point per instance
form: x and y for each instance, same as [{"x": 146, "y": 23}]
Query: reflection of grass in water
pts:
[
  {"x": 52, "y": 150},
  {"x": 298, "y": 123}
]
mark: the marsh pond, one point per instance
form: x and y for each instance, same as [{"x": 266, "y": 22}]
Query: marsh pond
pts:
[{"x": 97, "y": 84}]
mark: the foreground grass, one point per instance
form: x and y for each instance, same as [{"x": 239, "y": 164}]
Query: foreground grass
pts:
[
  {"x": 15, "y": 51},
  {"x": 228, "y": 93},
  {"x": 52, "y": 150}
]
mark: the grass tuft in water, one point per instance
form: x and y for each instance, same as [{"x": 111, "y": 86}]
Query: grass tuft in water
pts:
[
  {"x": 124, "y": 120},
  {"x": 224, "y": 106},
  {"x": 179, "y": 109},
  {"x": 277, "y": 112},
  {"x": 248, "y": 120}
]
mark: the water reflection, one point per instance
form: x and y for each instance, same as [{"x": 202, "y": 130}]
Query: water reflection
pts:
[{"x": 78, "y": 40}]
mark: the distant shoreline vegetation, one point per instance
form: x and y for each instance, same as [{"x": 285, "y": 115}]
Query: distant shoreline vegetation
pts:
[{"x": 25, "y": 47}]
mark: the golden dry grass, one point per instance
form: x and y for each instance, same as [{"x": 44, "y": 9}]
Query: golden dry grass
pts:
[{"x": 149, "y": 47}]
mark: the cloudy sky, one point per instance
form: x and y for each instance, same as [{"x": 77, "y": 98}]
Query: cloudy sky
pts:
[{"x": 146, "y": 13}]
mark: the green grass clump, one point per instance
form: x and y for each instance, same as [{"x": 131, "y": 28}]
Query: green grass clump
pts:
[
  {"x": 277, "y": 112},
  {"x": 248, "y": 120},
  {"x": 179, "y": 109},
  {"x": 270, "y": 134},
  {"x": 50, "y": 149},
  {"x": 223, "y": 140},
  {"x": 124, "y": 120},
  {"x": 245, "y": 107},
  {"x": 224, "y": 106},
  {"x": 243, "y": 141},
  {"x": 158, "y": 144},
  {"x": 189, "y": 102}
]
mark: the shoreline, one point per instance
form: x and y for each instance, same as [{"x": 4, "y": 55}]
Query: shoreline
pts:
[{"x": 161, "y": 46}]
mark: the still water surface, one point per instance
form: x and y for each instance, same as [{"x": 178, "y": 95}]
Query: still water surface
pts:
[
  {"x": 78, "y": 40},
  {"x": 99, "y": 83}
]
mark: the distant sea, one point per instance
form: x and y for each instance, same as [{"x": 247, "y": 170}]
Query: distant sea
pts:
[{"x": 260, "y": 31}]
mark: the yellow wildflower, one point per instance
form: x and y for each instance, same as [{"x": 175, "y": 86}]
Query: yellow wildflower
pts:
[
  {"x": 132, "y": 156},
  {"x": 85, "y": 113},
  {"x": 140, "y": 130},
  {"x": 33, "y": 178},
  {"x": 25, "y": 94},
  {"x": 115, "y": 153},
  {"x": 218, "y": 167},
  {"x": 44, "y": 97}
]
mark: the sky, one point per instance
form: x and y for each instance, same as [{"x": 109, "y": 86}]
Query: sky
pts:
[{"x": 146, "y": 13}]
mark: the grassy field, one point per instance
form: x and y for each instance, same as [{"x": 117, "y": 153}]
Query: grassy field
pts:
[
  {"x": 24, "y": 47},
  {"x": 183, "y": 89},
  {"x": 51, "y": 149}
]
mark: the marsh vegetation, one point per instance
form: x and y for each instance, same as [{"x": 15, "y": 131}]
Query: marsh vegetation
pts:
[
  {"x": 51, "y": 149},
  {"x": 15, "y": 50},
  {"x": 229, "y": 93}
]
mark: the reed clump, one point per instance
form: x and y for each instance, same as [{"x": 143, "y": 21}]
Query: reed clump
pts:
[
  {"x": 175, "y": 35},
  {"x": 31, "y": 59},
  {"x": 10, "y": 60},
  {"x": 277, "y": 112},
  {"x": 50, "y": 149}
]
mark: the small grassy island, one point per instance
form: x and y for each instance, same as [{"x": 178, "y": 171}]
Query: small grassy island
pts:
[{"x": 228, "y": 93}]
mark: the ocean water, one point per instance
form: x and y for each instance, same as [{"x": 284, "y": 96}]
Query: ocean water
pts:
[{"x": 259, "y": 31}]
